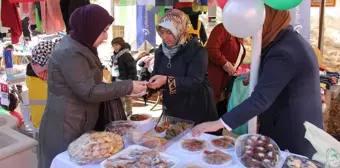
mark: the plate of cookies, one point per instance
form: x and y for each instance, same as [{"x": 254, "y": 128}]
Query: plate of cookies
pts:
[
  {"x": 255, "y": 150},
  {"x": 94, "y": 147}
]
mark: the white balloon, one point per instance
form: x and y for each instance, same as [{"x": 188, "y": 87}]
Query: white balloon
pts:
[{"x": 243, "y": 18}]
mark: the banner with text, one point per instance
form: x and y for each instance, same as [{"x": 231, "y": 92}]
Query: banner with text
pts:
[
  {"x": 301, "y": 19},
  {"x": 146, "y": 30}
]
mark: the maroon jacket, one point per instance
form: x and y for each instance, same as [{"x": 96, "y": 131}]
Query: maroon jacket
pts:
[{"x": 222, "y": 47}]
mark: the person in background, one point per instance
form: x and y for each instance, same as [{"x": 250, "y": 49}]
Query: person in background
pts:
[
  {"x": 288, "y": 90},
  {"x": 75, "y": 84},
  {"x": 7, "y": 47},
  {"x": 36, "y": 77},
  {"x": 196, "y": 28},
  {"x": 123, "y": 67},
  {"x": 226, "y": 53},
  {"x": 180, "y": 70}
]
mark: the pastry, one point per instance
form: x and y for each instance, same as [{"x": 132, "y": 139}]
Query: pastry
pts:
[
  {"x": 248, "y": 153},
  {"x": 193, "y": 145},
  {"x": 224, "y": 142},
  {"x": 260, "y": 143},
  {"x": 96, "y": 146},
  {"x": 259, "y": 156},
  {"x": 250, "y": 142},
  {"x": 260, "y": 150},
  {"x": 270, "y": 147},
  {"x": 265, "y": 139},
  {"x": 216, "y": 157},
  {"x": 247, "y": 147}
]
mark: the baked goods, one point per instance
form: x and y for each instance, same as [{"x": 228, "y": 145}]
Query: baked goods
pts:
[
  {"x": 139, "y": 117},
  {"x": 176, "y": 129},
  {"x": 149, "y": 141},
  {"x": 293, "y": 161},
  {"x": 141, "y": 158},
  {"x": 223, "y": 142},
  {"x": 193, "y": 145},
  {"x": 163, "y": 127},
  {"x": 94, "y": 147},
  {"x": 216, "y": 157},
  {"x": 257, "y": 151},
  {"x": 122, "y": 128}
]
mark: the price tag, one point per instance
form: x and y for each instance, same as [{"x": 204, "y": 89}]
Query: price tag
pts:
[{"x": 4, "y": 94}]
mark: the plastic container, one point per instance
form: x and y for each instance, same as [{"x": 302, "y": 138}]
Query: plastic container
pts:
[
  {"x": 94, "y": 147},
  {"x": 230, "y": 146},
  {"x": 123, "y": 128},
  {"x": 216, "y": 156},
  {"x": 129, "y": 154},
  {"x": 148, "y": 141},
  {"x": 295, "y": 160},
  {"x": 249, "y": 160},
  {"x": 195, "y": 145},
  {"x": 172, "y": 121}
]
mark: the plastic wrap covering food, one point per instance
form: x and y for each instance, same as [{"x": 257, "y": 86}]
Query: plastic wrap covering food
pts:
[
  {"x": 94, "y": 147},
  {"x": 148, "y": 141},
  {"x": 216, "y": 158},
  {"x": 193, "y": 145},
  {"x": 295, "y": 161},
  {"x": 223, "y": 143},
  {"x": 254, "y": 150},
  {"x": 123, "y": 128},
  {"x": 140, "y": 157}
]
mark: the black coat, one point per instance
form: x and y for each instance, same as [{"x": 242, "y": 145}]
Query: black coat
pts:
[
  {"x": 287, "y": 94},
  {"x": 126, "y": 65},
  {"x": 194, "y": 98}
]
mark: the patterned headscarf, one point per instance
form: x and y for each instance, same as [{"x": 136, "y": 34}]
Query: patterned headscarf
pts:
[
  {"x": 42, "y": 51},
  {"x": 177, "y": 22},
  {"x": 40, "y": 55}
]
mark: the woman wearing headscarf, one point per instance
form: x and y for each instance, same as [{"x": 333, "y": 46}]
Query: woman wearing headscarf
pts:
[
  {"x": 226, "y": 53},
  {"x": 288, "y": 90},
  {"x": 75, "y": 87},
  {"x": 36, "y": 79},
  {"x": 180, "y": 69}
]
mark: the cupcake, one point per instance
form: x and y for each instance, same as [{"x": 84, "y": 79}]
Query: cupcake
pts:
[
  {"x": 251, "y": 143},
  {"x": 270, "y": 147},
  {"x": 254, "y": 138},
  {"x": 261, "y": 143},
  {"x": 268, "y": 162},
  {"x": 260, "y": 150},
  {"x": 271, "y": 155},
  {"x": 248, "y": 153},
  {"x": 259, "y": 156},
  {"x": 248, "y": 147},
  {"x": 265, "y": 139}
]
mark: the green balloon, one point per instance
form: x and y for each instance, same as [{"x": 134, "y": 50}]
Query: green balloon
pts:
[{"x": 282, "y": 4}]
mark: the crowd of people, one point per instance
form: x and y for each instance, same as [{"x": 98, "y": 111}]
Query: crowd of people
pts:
[{"x": 192, "y": 73}]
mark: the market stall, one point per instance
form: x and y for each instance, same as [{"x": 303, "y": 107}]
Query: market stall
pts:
[{"x": 128, "y": 145}]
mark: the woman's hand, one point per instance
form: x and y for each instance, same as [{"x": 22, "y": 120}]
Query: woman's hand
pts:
[
  {"x": 157, "y": 81},
  {"x": 211, "y": 126},
  {"x": 138, "y": 87},
  {"x": 229, "y": 68}
]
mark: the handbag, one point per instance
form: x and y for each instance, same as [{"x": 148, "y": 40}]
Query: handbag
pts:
[
  {"x": 23, "y": 1},
  {"x": 109, "y": 111}
]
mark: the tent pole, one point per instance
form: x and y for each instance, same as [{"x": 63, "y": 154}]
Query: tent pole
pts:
[{"x": 321, "y": 25}]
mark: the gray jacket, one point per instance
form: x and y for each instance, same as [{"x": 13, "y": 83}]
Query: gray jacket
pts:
[{"x": 75, "y": 90}]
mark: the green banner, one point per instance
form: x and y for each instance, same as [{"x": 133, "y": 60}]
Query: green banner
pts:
[{"x": 125, "y": 2}]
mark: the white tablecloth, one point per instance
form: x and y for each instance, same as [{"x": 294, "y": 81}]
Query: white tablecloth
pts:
[{"x": 63, "y": 159}]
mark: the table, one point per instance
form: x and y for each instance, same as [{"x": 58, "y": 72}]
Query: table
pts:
[
  {"x": 63, "y": 160},
  {"x": 25, "y": 56}
]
